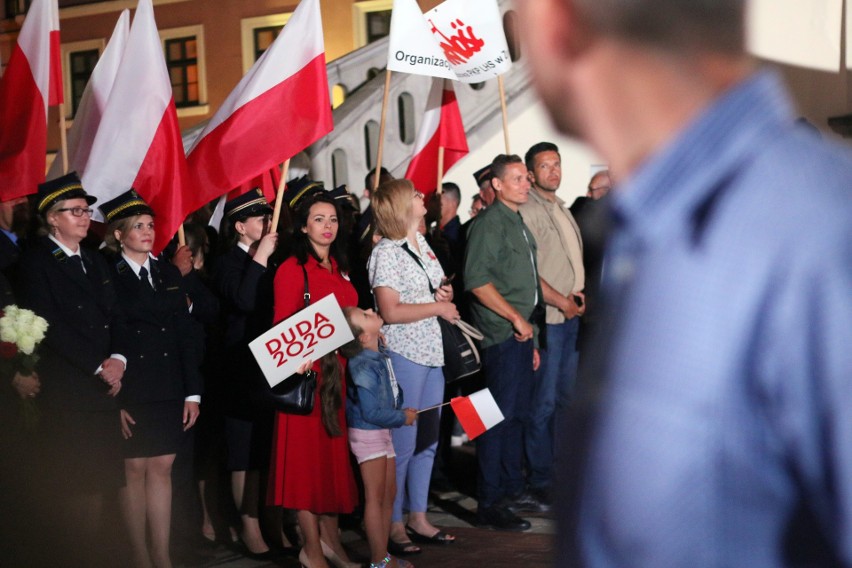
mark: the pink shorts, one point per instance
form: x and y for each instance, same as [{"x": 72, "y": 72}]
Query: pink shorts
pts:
[{"x": 371, "y": 444}]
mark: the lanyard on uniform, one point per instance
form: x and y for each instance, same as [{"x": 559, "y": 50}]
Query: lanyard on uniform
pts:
[{"x": 532, "y": 262}]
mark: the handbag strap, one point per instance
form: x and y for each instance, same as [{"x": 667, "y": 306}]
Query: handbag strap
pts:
[
  {"x": 420, "y": 262},
  {"x": 307, "y": 295}
]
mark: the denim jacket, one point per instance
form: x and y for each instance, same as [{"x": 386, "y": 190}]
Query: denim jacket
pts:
[{"x": 370, "y": 403}]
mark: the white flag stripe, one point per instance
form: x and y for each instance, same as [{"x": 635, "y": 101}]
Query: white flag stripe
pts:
[
  {"x": 299, "y": 43},
  {"x": 34, "y": 41},
  {"x": 139, "y": 98},
  {"x": 431, "y": 117},
  {"x": 87, "y": 119},
  {"x": 487, "y": 408}
]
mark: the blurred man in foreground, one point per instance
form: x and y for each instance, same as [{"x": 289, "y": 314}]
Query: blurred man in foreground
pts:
[{"x": 715, "y": 432}]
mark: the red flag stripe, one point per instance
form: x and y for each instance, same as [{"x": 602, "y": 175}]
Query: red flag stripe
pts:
[
  {"x": 55, "y": 92},
  {"x": 23, "y": 130},
  {"x": 468, "y": 416},
  {"x": 163, "y": 168},
  {"x": 237, "y": 149}
]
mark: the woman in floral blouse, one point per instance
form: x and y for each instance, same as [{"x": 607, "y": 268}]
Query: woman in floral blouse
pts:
[{"x": 403, "y": 271}]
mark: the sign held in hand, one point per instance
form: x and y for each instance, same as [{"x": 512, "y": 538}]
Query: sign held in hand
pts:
[{"x": 309, "y": 334}]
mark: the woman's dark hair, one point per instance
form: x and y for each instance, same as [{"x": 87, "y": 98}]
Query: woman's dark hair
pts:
[
  {"x": 300, "y": 245},
  {"x": 331, "y": 397},
  {"x": 352, "y": 348}
]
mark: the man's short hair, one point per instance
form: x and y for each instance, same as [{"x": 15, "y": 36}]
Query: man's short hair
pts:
[
  {"x": 501, "y": 161},
  {"x": 535, "y": 150},
  {"x": 693, "y": 25},
  {"x": 451, "y": 190},
  {"x": 368, "y": 179}
]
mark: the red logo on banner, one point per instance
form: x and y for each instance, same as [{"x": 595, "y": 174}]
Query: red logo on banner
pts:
[
  {"x": 461, "y": 45},
  {"x": 299, "y": 339}
]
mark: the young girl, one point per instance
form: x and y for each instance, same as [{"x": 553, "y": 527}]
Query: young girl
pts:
[{"x": 372, "y": 408}]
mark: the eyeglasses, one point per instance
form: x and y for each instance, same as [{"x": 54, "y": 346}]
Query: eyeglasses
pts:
[
  {"x": 78, "y": 211},
  {"x": 418, "y": 195}
]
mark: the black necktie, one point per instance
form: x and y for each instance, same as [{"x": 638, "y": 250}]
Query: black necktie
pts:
[
  {"x": 146, "y": 284},
  {"x": 77, "y": 261}
]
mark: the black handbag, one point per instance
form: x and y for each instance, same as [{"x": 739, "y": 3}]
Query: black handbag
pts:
[
  {"x": 461, "y": 356},
  {"x": 294, "y": 395}
]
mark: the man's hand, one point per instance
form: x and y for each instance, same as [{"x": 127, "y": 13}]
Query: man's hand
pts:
[
  {"x": 191, "y": 411},
  {"x": 536, "y": 359},
  {"x": 183, "y": 260},
  {"x": 571, "y": 309},
  {"x": 523, "y": 329}
]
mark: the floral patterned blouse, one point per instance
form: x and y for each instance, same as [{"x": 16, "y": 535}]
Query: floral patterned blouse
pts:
[{"x": 391, "y": 266}]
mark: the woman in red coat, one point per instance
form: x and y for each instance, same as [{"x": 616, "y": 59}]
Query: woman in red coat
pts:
[{"x": 311, "y": 471}]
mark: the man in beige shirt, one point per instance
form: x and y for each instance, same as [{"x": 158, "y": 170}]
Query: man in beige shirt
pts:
[{"x": 560, "y": 262}]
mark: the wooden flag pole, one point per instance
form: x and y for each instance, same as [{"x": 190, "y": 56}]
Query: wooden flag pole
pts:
[
  {"x": 502, "y": 88},
  {"x": 63, "y": 138},
  {"x": 382, "y": 129},
  {"x": 440, "y": 170},
  {"x": 181, "y": 236},
  {"x": 279, "y": 198},
  {"x": 433, "y": 407}
]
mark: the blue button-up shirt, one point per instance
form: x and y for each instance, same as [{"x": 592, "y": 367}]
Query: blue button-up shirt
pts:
[{"x": 727, "y": 409}]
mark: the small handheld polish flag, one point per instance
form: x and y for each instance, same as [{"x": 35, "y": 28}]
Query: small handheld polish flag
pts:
[{"x": 477, "y": 413}]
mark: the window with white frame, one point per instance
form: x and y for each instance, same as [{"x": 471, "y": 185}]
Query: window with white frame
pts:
[
  {"x": 184, "y": 52},
  {"x": 257, "y": 34},
  {"x": 78, "y": 61},
  {"x": 370, "y": 20}
]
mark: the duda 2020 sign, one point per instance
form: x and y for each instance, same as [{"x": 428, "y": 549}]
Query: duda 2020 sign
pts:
[{"x": 309, "y": 334}]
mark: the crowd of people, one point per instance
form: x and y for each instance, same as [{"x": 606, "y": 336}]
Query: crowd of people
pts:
[{"x": 145, "y": 377}]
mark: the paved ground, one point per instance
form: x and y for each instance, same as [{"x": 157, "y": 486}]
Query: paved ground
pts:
[{"x": 451, "y": 506}]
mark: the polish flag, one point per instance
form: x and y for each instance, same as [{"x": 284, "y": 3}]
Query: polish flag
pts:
[
  {"x": 477, "y": 413},
  {"x": 32, "y": 82},
  {"x": 138, "y": 143},
  {"x": 93, "y": 102},
  {"x": 278, "y": 109},
  {"x": 442, "y": 128}
]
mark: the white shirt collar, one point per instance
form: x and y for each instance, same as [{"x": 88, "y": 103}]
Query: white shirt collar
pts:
[
  {"x": 66, "y": 250},
  {"x": 243, "y": 246},
  {"x": 136, "y": 267}
]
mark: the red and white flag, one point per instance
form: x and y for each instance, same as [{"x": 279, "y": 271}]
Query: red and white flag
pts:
[
  {"x": 87, "y": 119},
  {"x": 442, "y": 127},
  {"x": 278, "y": 109},
  {"x": 138, "y": 143},
  {"x": 31, "y": 83},
  {"x": 477, "y": 413}
]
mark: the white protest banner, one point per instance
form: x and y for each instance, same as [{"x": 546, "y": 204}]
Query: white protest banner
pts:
[
  {"x": 471, "y": 36},
  {"x": 309, "y": 334},
  {"x": 411, "y": 48}
]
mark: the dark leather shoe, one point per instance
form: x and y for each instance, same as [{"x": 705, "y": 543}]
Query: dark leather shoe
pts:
[
  {"x": 501, "y": 519},
  {"x": 527, "y": 502}
]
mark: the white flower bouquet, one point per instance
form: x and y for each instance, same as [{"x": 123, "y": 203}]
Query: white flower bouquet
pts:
[{"x": 20, "y": 333}]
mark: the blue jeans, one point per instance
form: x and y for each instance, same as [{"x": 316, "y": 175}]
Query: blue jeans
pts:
[
  {"x": 500, "y": 451},
  {"x": 554, "y": 386},
  {"x": 422, "y": 387}
]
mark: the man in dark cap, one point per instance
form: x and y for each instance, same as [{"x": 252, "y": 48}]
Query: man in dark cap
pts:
[{"x": 483, "y": 182}]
